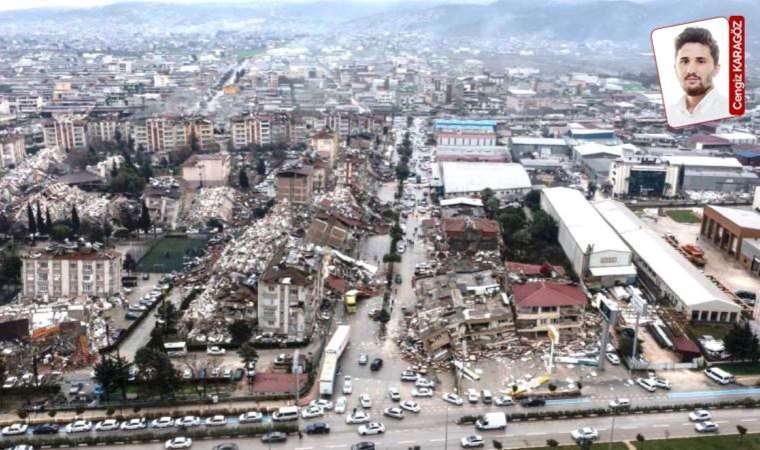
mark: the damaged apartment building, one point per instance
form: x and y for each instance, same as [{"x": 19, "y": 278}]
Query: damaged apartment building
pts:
[{"x": 289, "y": 292}]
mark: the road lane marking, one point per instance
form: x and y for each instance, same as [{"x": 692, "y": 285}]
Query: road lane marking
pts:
[
  {"x": 749, "y": 420},
  {"x": 337, "y": 446},
  {"x": 535, "y": 434},
  {"x": 406, "y": 442},
  {"x": 304, "y": 448},
  {"x": 664, "y": 425},
  {"x": 437, "y": 440},
  {"x": 721, "y": 421}
]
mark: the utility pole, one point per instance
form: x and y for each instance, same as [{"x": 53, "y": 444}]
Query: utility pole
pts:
[
  {"x": 612, "y": 432},
  {"x": 446, "y": 430}
]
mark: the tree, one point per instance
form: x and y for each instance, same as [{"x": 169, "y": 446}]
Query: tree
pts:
[
  {"x": 391, "y": 257},
  {"x": 60, "y": 232},
  {"x": 112, "y": 373},
  {"x": 40, "y": 221},
  {"x": 490, "y": 202},
  {"x": 552, "y": 387},
  {"x": 741, "y": 342},
  {"x": 129, "y": 263},
  {"x": 168, "y": 314},
  {"x": 75, "y": 224},
  {"x": 144, "y": 222},
  {"x": 156, "y": 370},
  {"x": 497, "y": 445},
  {"x": 625, "y": 346},
  {"x": 261, "y": 167},
  {"x": 383, "y": 316},
  {"x": 552, "y": 443},
  {"x": 48, "y": 222},
  {"x": 10, "y": 267},
  {"x": 194, "y": 146},
  {"x": 240, "y": 331},
  {"x": 742, "y": 431},
  {"x": 248, "y": 352},
  {"x": 543, "y": 229},
  {"x": 533, "y": 199},
  {"x": 30, "y": 222},
  {"x": 243, "y": 179},
  {"x": 640, "y": 438}
]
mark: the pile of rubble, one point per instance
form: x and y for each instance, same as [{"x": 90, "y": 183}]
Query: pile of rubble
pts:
[
  {"x": 208, "y": 203},
  {"x": 103, "y": 168},
  {"x": 30, "y": 172},
  {"x": 58, "y": 199}
]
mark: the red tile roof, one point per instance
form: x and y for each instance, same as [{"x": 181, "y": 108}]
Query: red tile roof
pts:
[
  {"x": 531, "y": 269},
  {"x": 276, "y": 382},
  {"x": 337, "y": 284},
  {"x": 543, "y": 293}
]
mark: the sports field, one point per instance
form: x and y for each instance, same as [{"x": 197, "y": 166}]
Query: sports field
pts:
[{"x": 167, "y": 254}]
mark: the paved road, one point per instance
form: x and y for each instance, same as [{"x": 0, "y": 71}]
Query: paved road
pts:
[{"x": 432, "y": 434}]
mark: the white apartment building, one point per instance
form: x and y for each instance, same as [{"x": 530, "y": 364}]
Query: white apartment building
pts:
[
  {"x": 66, "y": 132},
  {"x": 66, "y": 272},
  {"x": 12, "y": 150}
]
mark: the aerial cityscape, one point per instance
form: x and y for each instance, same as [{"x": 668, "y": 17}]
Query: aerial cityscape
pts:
[{"x": 378, "y": 225}]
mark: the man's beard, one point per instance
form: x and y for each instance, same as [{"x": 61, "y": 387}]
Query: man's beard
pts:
[{"x": 700, "y": 89}]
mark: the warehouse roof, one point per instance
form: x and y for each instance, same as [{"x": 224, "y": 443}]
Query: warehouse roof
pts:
[
  {"x": 703, "y": 161},
  {"x": 585, "y": 225},
  {"x": 687, "y": 282},
  {"x": 745, "y": 218},
  {"x": 529, "y": 140},
  {"x": 474, "y": 177},
  {"x": 593, "y": 148}
]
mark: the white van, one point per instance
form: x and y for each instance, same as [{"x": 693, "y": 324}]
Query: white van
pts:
[
  {"x": 719, "y": 375},
  {"x": 285, "y": 413},
  {"x": 492, "y": 421}
]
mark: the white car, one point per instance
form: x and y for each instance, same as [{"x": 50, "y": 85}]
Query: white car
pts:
[
  {"x": 409, "y": 375},
  {"x": 472, "y": 396},
  {"x": 472, "y": 441},
  {"x": 187, "y": 421},
  {"x": 365, "y": 401},
  {"x": 134, "y": 424},
  {"x": 216, "y": 421},
  {"x": 395, "y": 412},
  {"x": 251, "y": 417},
  {"x": 620, "y": 403},
  {"x": 348, "y": 386},
  {"x": 178, "y": 442},
  {"x": 326, "y": 405},
  {"x": 312, "y": 411},
  {"x": 422, "y": 392},
  {"x": 107, "y": 425},
  {"x": 585, "y": 434},
  {"x": 187, "y": 374},
  {"x": 15, "y": 429},
  {"x": 358, "y": 416},
  {"x": 10, "y": 382},
  {"x": 394, "y": 394},
  {"x": 424, "y": 383},
  {"x": 162, "y": 422},
  {"x": 371, "y": 428},
  {"x": 613, "y": 359},
  {"x": 227, "y": 373},
  {"x": 646, "y": 384},
  {"x": 503, "y": 400},
  {"x": 340, "y": 405},
  {"x": 454, "y": 399},
  {"x": 661, "y": 383},
  {"x": 79, "y": 426},
  {"x": 216, "y": 350},
  {"x": 410, "y": 406},
  {"x": 700, "y": 415},
  {"x": 706, "y": 427}
]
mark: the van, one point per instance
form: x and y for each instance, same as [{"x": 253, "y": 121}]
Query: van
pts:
[
  {"x": 486, "y": 396},
  {"x": 719, "y": 375},
  {"x": 285, "y": 413},
  {"x": 492, "y": 421}
]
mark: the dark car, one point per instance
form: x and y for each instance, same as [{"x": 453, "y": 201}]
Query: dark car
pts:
[
  {"x": 377, "y": 363},
  {"x": 46, "y": 428},
  {"x": 239, "y": 372},
  {"x": 366, "y": 445},
  {"x": 532, "y": 401},
  {"x": 226, "y": 446},
  {"x": 746, "y": 295},
  {"x": 317, "y": 428},
  {"x": 274, "y": 436}
]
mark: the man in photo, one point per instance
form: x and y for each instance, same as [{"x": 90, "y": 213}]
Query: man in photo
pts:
[{"x": 696, "y": 66}]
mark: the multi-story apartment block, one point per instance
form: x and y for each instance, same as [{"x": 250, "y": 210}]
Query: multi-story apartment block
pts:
[
  {"x": 541, "y": 304},
  {"x": 296, "y": 185},
  {"x": 12, "y": 150},
  {"x": 289, "y": 293},
  {"x": 66, "y": 132},
  {"x": 260, "y": 129},
  {"x": 206, "y": 170},
  {"x": 102, "y": 129},
  {"x": 70, "y": 272},
  {"x": 325, "y": 143},
  {"x": 161, "y": 134}
]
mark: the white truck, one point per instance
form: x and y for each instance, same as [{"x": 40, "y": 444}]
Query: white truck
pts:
[
  {"x": 492, "y": 421},
  {"x": 333, "y": 352}
]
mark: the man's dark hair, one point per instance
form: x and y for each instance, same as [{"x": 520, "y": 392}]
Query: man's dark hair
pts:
[{"x": 699, "y": 36}]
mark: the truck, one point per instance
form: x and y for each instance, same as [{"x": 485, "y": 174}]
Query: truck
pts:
[
  {"x": 492, "y": 421},
  {"x": 350, "y": 301},
  {"x": 333, "y": 352}
]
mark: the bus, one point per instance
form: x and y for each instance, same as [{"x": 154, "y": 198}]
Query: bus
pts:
[{"x": 174, "y": 349}]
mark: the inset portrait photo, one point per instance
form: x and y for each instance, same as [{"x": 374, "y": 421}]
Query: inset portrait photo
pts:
[{"x": 692, "y": 65}]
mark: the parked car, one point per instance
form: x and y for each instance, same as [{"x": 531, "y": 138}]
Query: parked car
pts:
[
  {"x": 134, "y": 424},
  {"x": 424, "y": 383},
  {"x": 409, "y": 375},
  {"x": 317, "y": 428},
  {"x": 486, "y": 396},
  {"x": 365, "y": 401},
  {"x": 585, "y": 434},
  {"x": 422, "y": 392},
  {"x": 178, "y": 442},
  {"x": 46, "y": 428},
  {"x": 503, "y": 400},
  {"x": 363, "y": 359},
  {"x": 376, "y": 365},
  {"x": 274, "y": 436},
  {"x": 340, "y": 405},
  {"x": 226, "y": 446},
  {"x": 700, "y": 415},
  {"x": 453, "y": 399},
  {"x": 215, "y": 350},
  {"x": 472, "y": 441},
  {"x": 613, "y": 358},
  {"x": 411, "y": 406},
  {"x": 363, "y": 446},
  {"x": 706, "y": 427},
  {"x": 357, "y": 416},
  {"x": 187, "y": 421},
  {"x": 216, "y": 421},
  {"x": 472, "y": 396},
  {"x": 107, "y": 425},
  {"x": 15, "y": 429},
  {"x": 371, "y": 428},
  {"x": 646, "y": 384},
  {"x": 661, "y": 383},
  {"x": 394, "y": 394},
  {"x": 79, "y": 426},
  {"x": 530, "y": 402},
  {"x": 396, "y": 413},
  {"x": 325, "y": 404},
  {"x": 312, "y": 411},
  {"x": 620, "y": 403},
  {"x": 251, "y": 417},
  {"x": 348, "y": 386},
  {"x": 162, "y": 422}
]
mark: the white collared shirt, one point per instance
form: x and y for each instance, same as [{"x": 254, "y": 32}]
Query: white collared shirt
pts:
[{"x": 712, "y": 107}]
